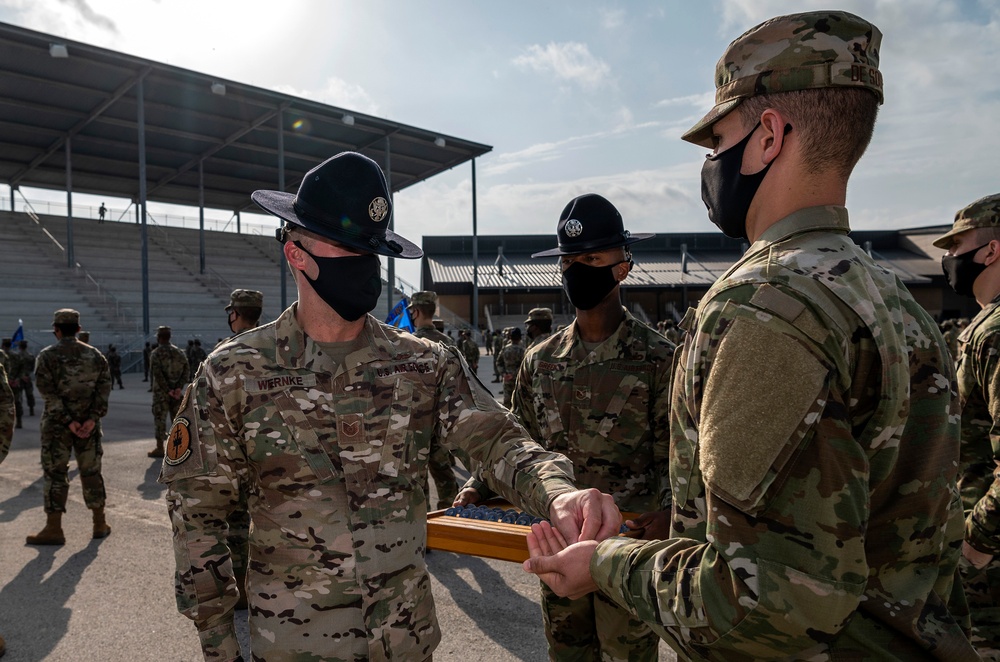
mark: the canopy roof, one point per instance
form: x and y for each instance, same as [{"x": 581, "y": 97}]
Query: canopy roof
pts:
[{"x": 53, "y": 90}]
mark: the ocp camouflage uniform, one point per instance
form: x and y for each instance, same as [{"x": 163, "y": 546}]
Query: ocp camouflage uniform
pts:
[
  {"x": 334, "y": 452},
  {"x": 6, "y": 414},
  {"x": 27, "y": 387},
  {"x": 75, "y": 383},
  {"x": 19, "y": 377},
  {"x": 509, "y": 363},
  {"x": 168, "y": 370},
  {"x": 195, "y": 357},
  {"x": 539, "y": 339},
  {"x": 608, "y": 410},
  {"x": 440, "y": 463},
  {"x": 813, "y": 467},
  {"x": 978, "y": 384},
  {"x": 950, "y": 336},
  {"x": 470, "y": 350}
]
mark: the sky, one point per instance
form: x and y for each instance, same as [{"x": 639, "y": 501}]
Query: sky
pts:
[{"x": 575, "y": 96}]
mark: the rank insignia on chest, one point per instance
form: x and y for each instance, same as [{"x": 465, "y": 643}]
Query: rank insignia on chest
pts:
[
  {"x": 581, "y": 393},
  {"x": 178, "y": 446},
  {"x": 350, "y": 428}
]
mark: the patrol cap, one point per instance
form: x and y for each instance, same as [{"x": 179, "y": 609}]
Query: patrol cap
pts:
[
  {"x": 162, "y": 329},
  {"x": 345, "y": 199},
  {"x": 424, "y": 298},
  {"x": 245, "y": 299},
  {"x": 66, "y": 316},
  {"x": 983, "y": 213},
  {"x": 539, "y": 315},
  {"x": 515, "y": 333},
  {"x": 796, "y": 52},
  {"x": 590, "y": 223}
]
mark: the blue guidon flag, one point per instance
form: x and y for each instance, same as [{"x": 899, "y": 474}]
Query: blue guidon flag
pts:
[
  {"x": 19, "y": 334},
  {"x": 399, "y": 316}
]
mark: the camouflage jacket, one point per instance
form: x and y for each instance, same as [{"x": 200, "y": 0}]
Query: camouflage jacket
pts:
[
  {"x": 334, "y": 457},
  {"x": 20, "y": 368},
  {"x": 168, "y": 368},
  {"x": 430, "y": 333},
  {"x": 195, "y": 357},
  {"x": 813, "y": 465},
  {"x": 6, "y": 414},
  {"x": 114, "y": 361},
  {"x": 979, "y": 394},
  {"x": 608, "y": 411},
  {"x": 28, "y": 360},
  {"x": 531, "y": 342},
  {"x": 510, "y": 360},
  {"x": 74, "y": 379},
  {"x": 470, "y": 350}
]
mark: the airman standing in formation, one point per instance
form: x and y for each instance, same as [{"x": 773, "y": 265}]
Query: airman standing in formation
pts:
[
  {"x": 12, "y": 364},
  {"x": 441, "y": 463},
  {"x": 242, "y": 314},
  {"x": 499, "y": 339},
  {"x": 972, "y": 266},
  {"x": 328, "y": 414},
  {"x": 115, "y": 366},
  {"x": 509, "y": 362},
  {"x": 538, "y": 326},
  {"x": 469, "y": 348},
  {"x": 819, "y": 517},
  {"x": 169, "y": 373},
  {"x": 196, "y": 355},
  {"x": 599, "y": 392},
  {"x": 75, "y": 383}
]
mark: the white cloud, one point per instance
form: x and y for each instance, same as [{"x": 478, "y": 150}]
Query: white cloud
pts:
[
  {"x": 570, "y": 61},
  {"x": 698, "y": 101},
  {"x": 338, "y": 92}
]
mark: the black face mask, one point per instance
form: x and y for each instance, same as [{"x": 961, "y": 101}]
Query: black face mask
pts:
[
  {"x": 728, "y": 193},
  {"x": 962, "y": 271},
  {"x": 350, "y": 285},
  {"x": 586, "y": 286}
]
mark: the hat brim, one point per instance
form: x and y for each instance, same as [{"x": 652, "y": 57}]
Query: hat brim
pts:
[
  {"x": 282, "y": 205},
  {"x": 945, "y": 241},
  {"x": 579, "y": 250},
  {"x": 701, "y": 133}
]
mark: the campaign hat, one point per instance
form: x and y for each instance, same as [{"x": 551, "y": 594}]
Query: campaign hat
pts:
[
  {"x": 345, "y": 199},
  {"x": 590, "y": 223}
]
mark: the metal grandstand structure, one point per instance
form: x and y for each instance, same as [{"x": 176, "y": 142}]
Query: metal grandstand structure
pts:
[{"x": 77, "y": 117}]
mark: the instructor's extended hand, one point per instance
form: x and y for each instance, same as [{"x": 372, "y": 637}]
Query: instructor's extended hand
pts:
[{"x": 565, "y": 569}]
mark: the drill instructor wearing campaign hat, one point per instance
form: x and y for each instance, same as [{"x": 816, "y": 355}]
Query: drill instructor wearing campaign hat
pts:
[{"x": 327, "y": 413}]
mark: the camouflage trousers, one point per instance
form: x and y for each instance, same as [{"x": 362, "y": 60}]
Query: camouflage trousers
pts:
[
  {"x": 594, "y": 629},
  {"x": 29, "y": 397},
  {"x": 441, "y": 467},
  {"x": 982, "y": 590},
  {"x": 164, "y": 411},
  {"x": 508, "y": 393},
  {"x": 57, "y": 445}
]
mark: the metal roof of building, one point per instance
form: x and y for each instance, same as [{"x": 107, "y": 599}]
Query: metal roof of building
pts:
[
  {"x": 448, "y": 261},
  {"x": 53, "y": 90}
]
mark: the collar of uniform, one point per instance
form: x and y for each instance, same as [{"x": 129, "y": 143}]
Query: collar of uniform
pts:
[
  {"x": 831, "y": 218},
  {"x": 296, "y": 351},
  {"x": 572, "y": 346}
]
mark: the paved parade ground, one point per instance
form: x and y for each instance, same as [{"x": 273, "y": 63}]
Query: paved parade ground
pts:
[{"x": 112, "y": 600}]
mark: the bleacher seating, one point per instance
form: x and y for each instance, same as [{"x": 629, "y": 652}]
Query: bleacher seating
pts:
[{"x": 107, "y": 286}]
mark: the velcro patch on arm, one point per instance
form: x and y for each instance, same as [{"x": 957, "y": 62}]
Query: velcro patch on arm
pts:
[
  {"x": 764, "y": 391},
  {"x": 791, "y": 310}
]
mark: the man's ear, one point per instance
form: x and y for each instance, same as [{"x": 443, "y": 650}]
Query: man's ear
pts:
[
  {"x": 772, "y": 138},
  {"x": 994, "y": 253},
  {"x": 294, "y": 255}
]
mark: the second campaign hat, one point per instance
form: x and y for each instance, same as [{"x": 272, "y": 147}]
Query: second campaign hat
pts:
[
  {"x": 983, "y": 213},
  {"x": 346, "y": 199},
  {"x": 590, "y": 223},
  {"x": 796, "y": 52}
]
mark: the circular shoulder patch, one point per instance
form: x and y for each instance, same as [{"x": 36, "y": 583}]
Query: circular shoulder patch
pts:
[{"x": 178, "y": 442}]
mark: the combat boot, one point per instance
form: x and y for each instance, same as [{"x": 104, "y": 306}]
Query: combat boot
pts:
[
  {"x": 52, "y": 534},
  {"x": 17, "y": 423},
  {"x": 101, "y": 528},
  {"x": 156, "y": 452}
]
